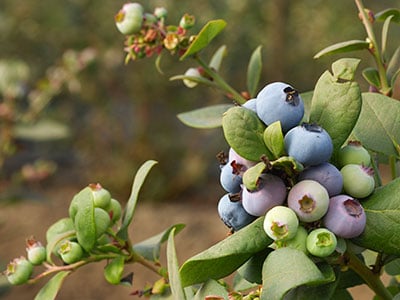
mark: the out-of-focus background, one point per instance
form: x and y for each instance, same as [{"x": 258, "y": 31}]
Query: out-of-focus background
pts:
[{"x": 72, "y": 113}]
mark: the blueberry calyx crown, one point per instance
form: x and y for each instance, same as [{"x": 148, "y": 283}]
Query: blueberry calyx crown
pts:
[
  {"x": 353, "y": 207},
  {"x": 292, "y": 96},
  {"x": 312, "y": 127}
]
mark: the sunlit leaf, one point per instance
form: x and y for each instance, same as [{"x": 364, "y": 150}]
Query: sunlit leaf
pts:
[
  {"x": 273, "y": 138},
  {"x": 394, "y": 65},
  {"x": 254, "y": 71},
  {"x": 251, "y": 176},
  {"x": 216, "y": 59},
  {"x": 205, "y": 36},
  {"x": 173, "y": 268},
  {"x": 205, "y": 117},
  {"x": 371, "y": 75},
  {"x": 342, "y": 47},
  {"x": 131, "y": 205},
  {"x": 113, "y": 270},
  {"x": 52, "y": 287},
  {"x": 385, "y": 32}
]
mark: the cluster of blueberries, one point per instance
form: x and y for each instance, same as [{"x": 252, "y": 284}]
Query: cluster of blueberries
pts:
[{"x": 321, "y": 203}]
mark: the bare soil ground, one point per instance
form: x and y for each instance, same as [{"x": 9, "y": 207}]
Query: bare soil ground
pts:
[{"x": 203, "y": 229}]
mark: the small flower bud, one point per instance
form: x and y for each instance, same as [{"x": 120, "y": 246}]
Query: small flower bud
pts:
[{"x": 36, "y": 252}]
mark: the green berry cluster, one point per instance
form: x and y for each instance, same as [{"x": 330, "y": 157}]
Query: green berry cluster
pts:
[{"x": 147, "y": 32}]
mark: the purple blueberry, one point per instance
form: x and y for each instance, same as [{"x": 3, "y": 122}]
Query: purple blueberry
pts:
[
  {"x": 278, "y": 101},
  {"x": 233, "y": 214},
  {"x": 230, "y": 178},
  {"x": 309, "y": 200},
  {"x": 327, "y": 175},
  {"x": 345, "y": 217},
  {"x": 309, "y": 144},
  {"x": 271, "y": 191},
  {"x": 234, "y": 157}
]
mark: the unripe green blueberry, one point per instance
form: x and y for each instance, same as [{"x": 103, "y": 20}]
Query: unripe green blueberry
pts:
[
  {"x": 321, "y": 242},
  {"x": 358, "y": 181},
  {"x": 130, "y": 18},
  {"x": 187, "y": 21},
  {"x": 36, "y": 252},
  {"x": 114, "y": 210},
  {"x": 101, "y": 197},
  {"x": 160, "y": 12},
  {"x": 353, "y": 153},
  {"x": 281, "y": 223},
  {"x": 19, "y": 270},
  {"x": 70, "y": 252},
  {"x": 102, "y": 220},
  {"x": 299, "y": 240}
]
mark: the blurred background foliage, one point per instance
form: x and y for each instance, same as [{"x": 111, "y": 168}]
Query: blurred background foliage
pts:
[{"x": 71, "y": 111}]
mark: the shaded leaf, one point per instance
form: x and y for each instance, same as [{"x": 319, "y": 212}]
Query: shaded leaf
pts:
[
  {"x": 205, "y": 36},
  {"x": 50, "y": 290},
  {"x": 307, "y": 98},
  {"x": 173, "y": 268},
  {"x": 251, "y": 270},
  {"x": 254, "y": 71},
  {"x": 336, "y": 102},
  {"x": 131, "y": 205},
  {"x": 251, "y": 175},
  {"x": 393, "y": 268},
  {"x": 211, "y": 287},
  {"x": 385, "y": 31},
  {"x": 113, "y": 270},
  {"x": 378, "y": 127},
  {"x": 244, "y": 132},
  {"x": 383, "y": 220},
  {"x": 394, "y": 65},
  {"x": 205, "y": 117},
  {"x": 216, "y": 59},
  {"x": 383, "y": 15},
  {"x": 287, "y": 268},
  {"x": 226, "y": 256},
  {"x": 287, "y": 163},
  {"x": 342, "y": 47},
  {"x": 371, "y": 75},
  {"x": 43, "y": 130},
  {"x": 273, "y": 139},
  {"x": 150, "y": 248}
]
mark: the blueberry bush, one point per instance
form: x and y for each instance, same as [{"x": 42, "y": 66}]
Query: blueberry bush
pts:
[{"x": 308, "y": 212}]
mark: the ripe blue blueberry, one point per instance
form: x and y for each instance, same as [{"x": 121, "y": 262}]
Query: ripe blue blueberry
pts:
[
  {"x": 354, "y": 153},
  {"x": 327, "y": 175},
  {"x": 358, "y": 181},
  {"x": 231, "y": 178},
  {"x": 233, "y": 214},
  {"x": 345, "y": 217},
  {"x": 281, "y": 223},
  {"x": 321, "y": 242},
  {"x": 251, "y": 104},
  {"x": 309, "y": 200},
  {"x": 309, "y": 144},
  {"x": 279, "y": 101},
  {"x": 271, "y": 191}
]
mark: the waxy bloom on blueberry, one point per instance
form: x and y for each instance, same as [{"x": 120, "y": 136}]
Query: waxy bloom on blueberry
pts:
[
  {"x": 321, "y": 242},
  {"x": 278, "y": 101},
  {"x": 130, "y": 18},
  {"x": 231, "y": 178},
  {"x": 345, "y": 217},
  {"x": 233, "y": 214},
  {"x": 309, "y": 144},
  {"x": 358, "y": 181},
  {"x": 281, "y": 223},
  {"x": 19, "y": 270},
  {"x": 309, "y": 200}
]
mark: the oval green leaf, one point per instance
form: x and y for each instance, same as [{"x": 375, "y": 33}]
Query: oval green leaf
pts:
[
  {"x": 251, "y": 175},
  {"x": 205, "y": 117},
  {"x": 244, "y": 132},
  {"x": 383, "y": 220},
  {"x": 343, "y": 47},
  {"x": 254, "y": 71},
  {"x": 287, "y": 268},
  {"x": 394, "y": 65},
  {"x": 131, "y": 205},
  {"x": 205, "y": 36},
  {"x": 225, "y": 257},
  {"x": 336, "y": 102},
  {"x": 371, "y": 75},
  {"x": 113, "y": 270},
  {"x": 216, "y": 59},
  {"x": 50, "y": 290},
  {"x": 378, "y": 127},
  {"x": 273, "y": 139},
  {"x": 211, "y": 288}
]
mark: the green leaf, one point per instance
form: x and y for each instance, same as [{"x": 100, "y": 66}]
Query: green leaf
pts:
[
  {"x": 56, "y": 233},
  {"x": 113, "y": 270},
  {"x": 50, "y": 290},
  {"x": 287, "y": 163},
  {"x": 205, "y": 117},
  {"x": 216, "y": 59},
  {"x": 43, "y": 130},
  {"x": 131, "y": 205},
  {"x": 383, "y": 220},
  {"x": 244, "y": 132},
  {"x": 343, "y": 47},
  {"x": 251, "y": 270},
  {"x": 225, "y": 257},
  {"x": 205, "y": 36},
  {"x": 385, "y": 31},
  {"x": 336, "y": 102},
  {"x": 371, "y": 75},
  {"x": 173, "y": 268},
  {"x": 84, "y": 221},
  {"x": 394, "y": 65},
  {"x": 150, "y": 248},
  {"x": 383, "y": 15},
  {"x": 211, "y": 288},
  {"x": 273, "y": 139},
  {"x": 254, "y": 71},
  {"x": 197, "y": 79},
  {"x": 307, "y": 98},
  {"x": 378, "y": 127},
  {"x": 287, "y": 268},
  {"x": 393, "y": 268},
  {"x": 251, "y": 175}
]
